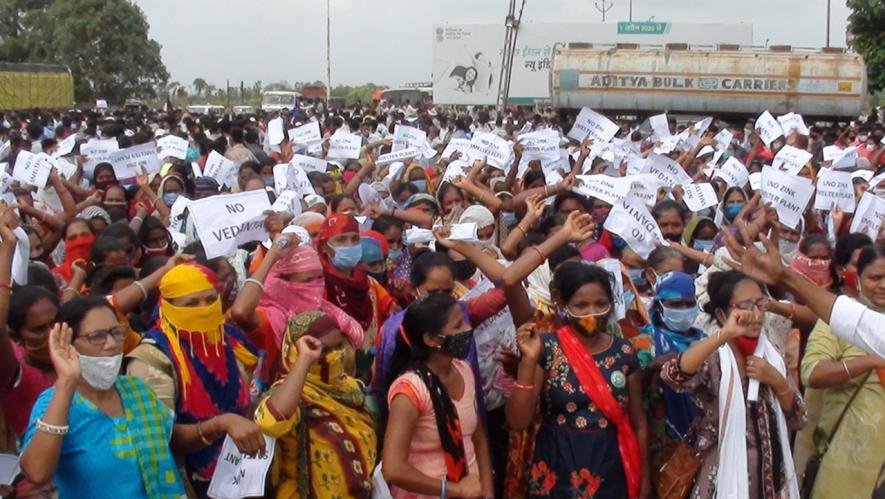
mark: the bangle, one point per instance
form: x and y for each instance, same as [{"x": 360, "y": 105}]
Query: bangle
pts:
[
  {"x": 140, "y": 286},
  {"x": 272, "y": 409},
  {"x": 535, "y": 247},
  {"x": 201, "y": 434},
  {"x": 255, "y": 282},
  {"x": 71, "y": 289},
  {"x": 517, "y": 226},
  {"x": 792, "y": 311},
  {"x": 545, "y": 192},
  {"x": 848, "y": 372},
  {"x": 52, "y": 429},
  {"x": 443, "y": 487},
  {"x": 137, "y": 218},
  {"x": 5, "y": 286},
  {"x": 520, "y": 386}
]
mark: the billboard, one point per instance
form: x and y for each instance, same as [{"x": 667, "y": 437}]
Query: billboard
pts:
[{"x": 467, "y": 57}]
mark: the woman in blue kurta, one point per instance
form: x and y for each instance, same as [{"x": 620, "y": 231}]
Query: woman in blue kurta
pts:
[{"x": 96, "y": 433}]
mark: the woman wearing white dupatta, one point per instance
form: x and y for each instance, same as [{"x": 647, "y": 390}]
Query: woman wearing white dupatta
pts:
[{"x": 747, "y": 407}]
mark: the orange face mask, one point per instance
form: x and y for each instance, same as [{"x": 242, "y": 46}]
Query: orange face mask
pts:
[{"x": 589, "y": 324}]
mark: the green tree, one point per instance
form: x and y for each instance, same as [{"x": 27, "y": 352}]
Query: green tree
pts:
[
  {"x": 866, "y": 23},
  {"x": 199, "y": 86},
  {"x": 104, "y": 42}
]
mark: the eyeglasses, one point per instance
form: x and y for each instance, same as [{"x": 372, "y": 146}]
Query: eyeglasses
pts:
[
  {"x": 761, "y": 304},
  {"x": 99, "y": 337}
]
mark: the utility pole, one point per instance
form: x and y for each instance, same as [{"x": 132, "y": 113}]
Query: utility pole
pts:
[
  {"x": 328, "y": 54},
  {"x": 602, "y": 7},
  {"x": 511, "y": 23},
  {"x": 631, "y": 11},
  {"x": 828, "y": 23}
]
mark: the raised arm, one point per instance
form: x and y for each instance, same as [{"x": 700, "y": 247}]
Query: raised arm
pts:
[
  {"x": 243, "y": 311},
  {"x": 8, "y": 362}
]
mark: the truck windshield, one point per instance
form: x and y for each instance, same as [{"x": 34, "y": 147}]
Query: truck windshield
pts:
[{"x": 278, "y": 99}]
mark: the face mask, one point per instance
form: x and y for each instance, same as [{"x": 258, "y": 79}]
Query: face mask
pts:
[
  {"x": 396, "y": 254},
  {"x": 421, "y": 185},
  {"x": 458, "y": 345},
  {"x": 78, "y": 248},
  {"x": 205, "y": 320},
  {"x": 347, "y": 257},
  {"x": 169, "y": 198},
  {"x": 850, "y": 280},
  {"x": 871, "y": 147},
  {"x": 815, "y": 270},
  {"x": 589, "y": 324},
  {"x": 745, "y": 345},
  {"x": 464, "y": 270},
  {"x": 39, "y": 352},
  {"x": 788, "y": 249},
  {"x": 637, "y": 277},
  {"x": 100, "y": 372},
  {"x": 156, "y": 251},
  {"x": 862, "y": 138},
  {"x": 732, "y": 211},
  {"x": 268, "y": 181},
  {"x": 679, "y": 319},
  {"x": 673, "y": 237},
  {"x": 704, "y": 245},
  {"x": 508, "y": 218},
  {"x": 330, "y": 367}
]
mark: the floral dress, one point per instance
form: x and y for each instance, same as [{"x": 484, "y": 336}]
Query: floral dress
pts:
[{"x": 576, "y": 450}]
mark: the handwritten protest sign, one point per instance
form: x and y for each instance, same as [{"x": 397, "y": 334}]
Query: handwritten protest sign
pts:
[
  {"x": 619, "y": 308},
  {"x": 224, "y": 222},
  {"x": 848, "y": 159},
  {"x": 788, "y": 194},
  {"x": 608, "y": 189},
  {"x": 309, "y": 163},
  {"x": 869, "y": 215},
  {"x": 172, "y": 146},
  {"x": 275, "y": 131},
  {"x": 791, "y": 159},
  {"x": 238, "y": 475},
  {"x": 633, "y": 222},
  {"x": 592, "y": 124},
  {"x": 176, "y": 213},
  {"x": 306, "y": 134},
  {"x": 699, "y": 196},
  {"x": 405, "y": 137},
  {"x": 32, "y": 169},
  {"x": 733, "y": 172},
  {"x": 289, "y": 178},
  {"x": 791, "y": 122},
  {"x": 455, "y": 170},
  {"x": 496, "y": 150},
  {"x": 393, "y": 157},
  {"x": 834, "y": 187},
  {"x": 665, "y": 170},
  {"x": 65, "y": 146},
  {"x": 644, "y": 187},
  {"x": 135, "y": 160},
  {"x": 660, "y": 127},
  {"x": 541, "y": 145},
  {"x": 223, "y": 170},
  {"x": 768, "y": 127},
  {"x": 461, "y": 146},
  {"x": 345, "y": 146}
]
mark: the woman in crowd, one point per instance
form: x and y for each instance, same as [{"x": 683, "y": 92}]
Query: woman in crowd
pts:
[
  {"x": 748, "y": 449},
  {"x": 592, "y": 439},
  {"x": 317, "y": 410},
  {"x": 98, "y": 434},
  {"x": 851, "y": 387},
  {"x": 200, "y": 368},
  {"x": 844, "y": 266},
  {"x": 434, "y": 445}
]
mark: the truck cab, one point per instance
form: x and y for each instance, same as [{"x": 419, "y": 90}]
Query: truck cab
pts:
[{"x": 279, "y": 100}]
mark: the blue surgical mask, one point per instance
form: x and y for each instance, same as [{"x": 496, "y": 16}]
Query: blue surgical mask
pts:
[
  {"x": 395, "y": 255},
  {"x": 637, "y": 277},
  {"x": 508, "y": 218},
  {"x": 704, "y": 245},
  {"x": 268, "y": 181},
  {"x": 421, "y": 185},
  {"x": 618, "y": 242},
  {"x": 347, "y": 257},
  {"x": 628, "y": 298},
  {"x": 679, "y": 319},
  {"x": 732, "y": 210},
  {"x": 170, "y": 197}
]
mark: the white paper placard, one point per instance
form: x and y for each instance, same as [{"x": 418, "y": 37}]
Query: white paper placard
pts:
[
  {"x": 65, "y": 146},
  {"x": 834, "y": 186},
  {"x": 101, "y": 148},
  {"x": 456, "y": 169},
  {"x": 497, "y": 151},
  {"x": 665, "y": 170},
  {"x": 176, "y": 214},
  {"x": 723, "y": 139},
  {"x": 733, "y": 172},
  {"x": 101, "y": 104},
  {"x": 463, "y": 232},
  {"x": 135, "y": 160},
  {"x": 608, "y": 189},
  {"x": 288, "y": 178},
  {"x": 345, "y": 146},
  {"x": 792, "y": 122},
  {"x": 789, "y": 195},
  {"x": 592, "y": 124},
  {"x": 9, "y": 468},
  {"x": 393, "y": 157},
  {"x": 275, "y": 131},
  {"x": 832, "y": 153},
  {"x": 417, "y": 236},
  {"x": 220, "y": 168},
  {"x": 660, "y": 127},
  {"x": 755, "y": 181},
  {"x": 20, "y": 257},
  {"x": 864, "y": 174},
  {"x": 65, "y": 168},
  {"x": 226, "y": 221},
  {"x": 869, "y": 215},
  {"x": 237, "y": 475},
  {"x": 405, "y": 137},
  {"x": 768, "y": 127},
  {"x": 699, "y": 196},
  {"x": 309, "y": 163},
  {"x": 172, "y": 146},
  {"x": 286, "y": 201},
  {"x": 461, "y": 146},
  {"x": 619, "y": 309},
  {"x": 633, "y": 222},
  {"x": 791, "y": 159},
  {"x": 306, "y": 134},
  {"x": 848, "y": 159},
  {"x": 644, "y": 188},
  {"x": 31, "y": 168}
]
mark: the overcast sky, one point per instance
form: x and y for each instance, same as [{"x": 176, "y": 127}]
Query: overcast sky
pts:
[{"x": 390, "y": 41}]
